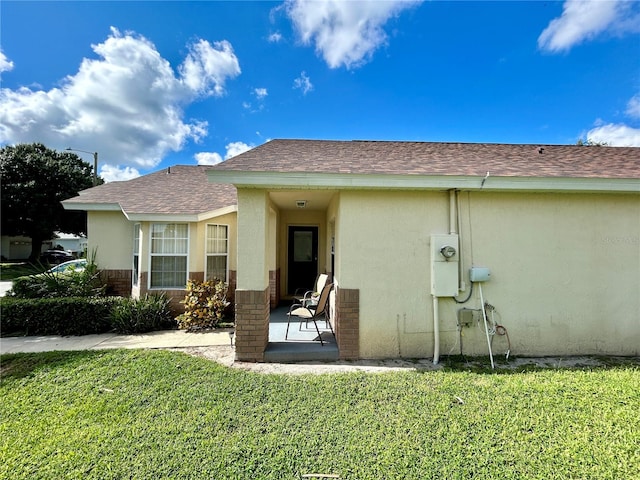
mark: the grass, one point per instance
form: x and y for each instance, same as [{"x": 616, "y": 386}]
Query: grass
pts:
[
  {"x": 160, "y": 414},
  {"x": 11, "y": 271}
]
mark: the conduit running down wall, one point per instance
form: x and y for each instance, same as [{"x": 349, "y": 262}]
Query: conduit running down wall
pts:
[{"x": 445, "y": 278}]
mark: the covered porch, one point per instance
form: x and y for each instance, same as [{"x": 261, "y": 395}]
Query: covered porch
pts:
[{"x": 285, "y": 239}]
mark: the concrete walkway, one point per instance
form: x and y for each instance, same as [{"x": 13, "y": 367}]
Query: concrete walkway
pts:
[{"x": 163, "y": 339}]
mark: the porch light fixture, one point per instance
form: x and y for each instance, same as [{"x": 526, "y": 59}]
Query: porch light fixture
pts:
[{"x": 301, "y": 203}]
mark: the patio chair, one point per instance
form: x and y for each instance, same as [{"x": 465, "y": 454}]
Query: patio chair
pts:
[
  {"x": 311, "y": 296},
  {"x": 311, "y": 313}
]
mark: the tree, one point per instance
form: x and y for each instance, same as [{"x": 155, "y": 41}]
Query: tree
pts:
[
  {"x": 591, "y": 143},
  {"x": 35, "y": 179}
]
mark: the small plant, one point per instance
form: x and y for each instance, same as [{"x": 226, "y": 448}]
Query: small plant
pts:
[
  {"x": 145, "y": 314},
  {"x": 204, "y": 305}
]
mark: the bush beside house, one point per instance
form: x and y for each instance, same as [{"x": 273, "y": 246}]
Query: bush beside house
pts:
[
  {"x": 205, "y": 305},
  {"x": 75, "y": 303}
]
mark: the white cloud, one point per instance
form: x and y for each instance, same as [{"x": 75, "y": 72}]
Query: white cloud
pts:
[
  {"x": 5, "y": 64},
  {"x": 127, "y": 104},
  {"x": 303, "y": 83},
  {"x": 275, "y": 37},
  {"x": 260, "y": 93},
  {"x": 615, "y": 135},
  {"x": 233, "y": 149},
  {"x": 208, "y": 158},
  {"x": 206, "y": 68},
  {"x": 583, "y": 20},
  {"x": 618, "y": 134},
  {"x": 236, "y": 148},
  {"x": 633, "y": 106},
  {"x": 344, "y": 33},
  {"x": 111, "y": 173}
]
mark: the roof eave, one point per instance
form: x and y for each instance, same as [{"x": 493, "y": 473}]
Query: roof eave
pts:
[
  {"x": 91, "y": 207},
  {"x": 306, "y": 180},
  {"x": 179, "y": 217}
]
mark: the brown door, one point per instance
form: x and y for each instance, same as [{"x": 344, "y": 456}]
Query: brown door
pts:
[{"x": 303, "y": 258}]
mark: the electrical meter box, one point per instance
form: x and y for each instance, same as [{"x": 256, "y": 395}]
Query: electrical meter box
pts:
[{"x": 444, "y": 265}]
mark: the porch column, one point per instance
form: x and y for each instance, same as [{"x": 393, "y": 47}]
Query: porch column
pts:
[{"x": 252, "y": 292}]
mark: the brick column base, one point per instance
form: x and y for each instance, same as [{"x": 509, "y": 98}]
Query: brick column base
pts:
[
  {"x": 252, "y": 324},
  {"x": 274, "y": 286},
  {"x": 348, "y": 323}
]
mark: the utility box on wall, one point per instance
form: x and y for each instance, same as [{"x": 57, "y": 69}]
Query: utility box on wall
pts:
[{"x": 444, "y": 265}]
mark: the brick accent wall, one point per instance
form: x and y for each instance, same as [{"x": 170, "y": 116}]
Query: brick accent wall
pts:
[
  {"x": 118, "y": 281},
  {"x": 175, "y": 296},
  {"x": 231, "y": 293},
  {"x": 252, "y": 324},
  {"x": 274, "y": 287},
  {"x": 348, "y": 323}
]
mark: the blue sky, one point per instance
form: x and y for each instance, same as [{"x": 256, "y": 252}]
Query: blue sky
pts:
[{"x": 152, "y": 84}]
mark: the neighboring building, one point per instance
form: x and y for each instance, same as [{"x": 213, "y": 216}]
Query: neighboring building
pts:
[
  {"x": 19, "y": 248},
  {"x": 558, "y": 227},
  {"x": 76, "y": 244}
]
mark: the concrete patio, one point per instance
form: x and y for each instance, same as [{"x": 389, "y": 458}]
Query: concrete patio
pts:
[{"x": 302, "y": 344}]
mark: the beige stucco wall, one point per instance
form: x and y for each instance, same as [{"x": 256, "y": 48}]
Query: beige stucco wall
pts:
[
  {"x": 198, "y": 235},
  {"x": 382, "y": 250},
  {"x": 110, "y": 235},
  {"x": 253, "y": 239},
  {"x": 565, "y": 270}
]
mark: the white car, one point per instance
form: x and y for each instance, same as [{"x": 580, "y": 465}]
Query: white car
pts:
[{"x": 70, "y": 267}]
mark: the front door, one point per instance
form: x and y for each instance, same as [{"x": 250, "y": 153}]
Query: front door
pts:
[{"x": 303, "y": 258}]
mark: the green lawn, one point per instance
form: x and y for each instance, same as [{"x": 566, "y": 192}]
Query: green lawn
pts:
[
  {"x": 10, "y": 271},
  {"x": 160, "y": 414}
]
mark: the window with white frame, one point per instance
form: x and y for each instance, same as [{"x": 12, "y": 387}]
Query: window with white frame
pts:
[
  {"x": 169, "y": 255},
  {"x": 217, "y": 252},
  {"x": 136, "y": 255}
]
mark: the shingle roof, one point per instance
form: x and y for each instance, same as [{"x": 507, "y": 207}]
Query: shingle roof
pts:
[
  {"x": 183, "y": 191},
  {"x": 427, "y": 158}
]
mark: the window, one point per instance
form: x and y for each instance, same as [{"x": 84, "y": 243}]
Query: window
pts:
[
  {"x": 136, "y": 254},
  {"x": 217, "y": 251},
  {"x": 169, "y": 255}
]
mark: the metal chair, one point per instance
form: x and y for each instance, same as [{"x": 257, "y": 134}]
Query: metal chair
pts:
[
  {"x": 311, "y": 296},
  {"x": 311, "y": 313}
]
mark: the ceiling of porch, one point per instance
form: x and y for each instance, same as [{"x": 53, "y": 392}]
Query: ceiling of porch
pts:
[{"x": 314, "y": 199}]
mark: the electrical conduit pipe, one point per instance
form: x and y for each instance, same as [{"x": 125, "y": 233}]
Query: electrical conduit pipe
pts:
[
  {"x": 486, "y": 327},
  {"x": 436, "y": 315}
]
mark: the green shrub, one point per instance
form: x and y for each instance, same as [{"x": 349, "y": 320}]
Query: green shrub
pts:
[
  {"x": 142, "y": 315},
  {"x": 56, "y": 316},
  {"x": 54, "y": 285},
  {"x": 205, "y": 304}
]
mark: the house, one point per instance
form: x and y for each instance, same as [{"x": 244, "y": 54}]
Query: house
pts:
[
  {"x": 76, "y": 244},
  {"x": 417, "y": 237},
  {"x": 154, "y": 232},
  {"x": 19, "y": 247}
]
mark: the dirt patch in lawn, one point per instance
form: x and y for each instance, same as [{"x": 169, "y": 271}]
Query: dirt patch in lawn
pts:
[{"x": 225, "y": 355}]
